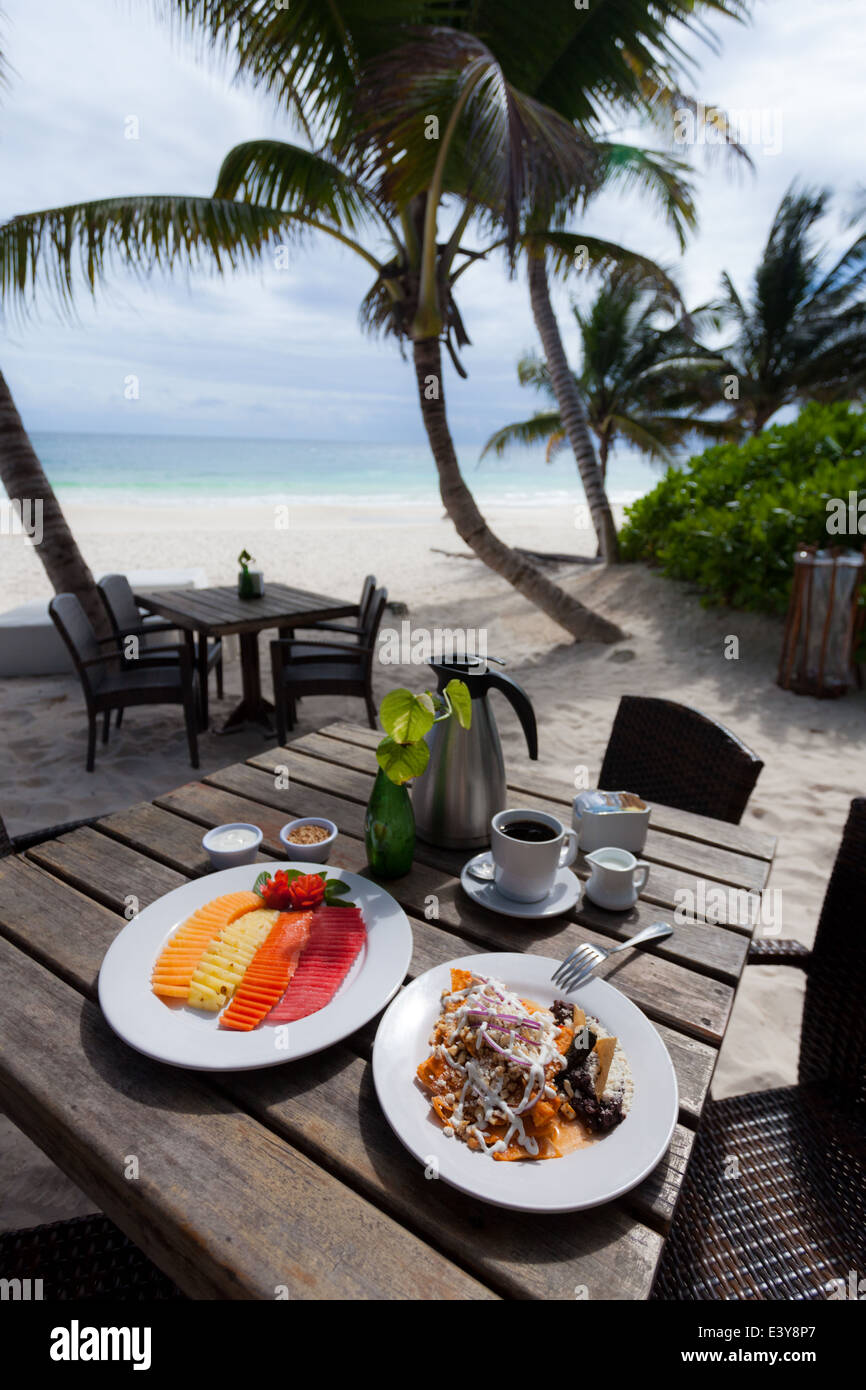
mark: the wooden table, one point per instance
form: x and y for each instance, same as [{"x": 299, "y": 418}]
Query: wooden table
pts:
[
  {"x": 290, "y": 1177},
  {"x": 218, "y": 612}
]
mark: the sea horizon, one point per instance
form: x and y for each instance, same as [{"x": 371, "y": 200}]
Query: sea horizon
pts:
[{"x": 96, "y": 469}]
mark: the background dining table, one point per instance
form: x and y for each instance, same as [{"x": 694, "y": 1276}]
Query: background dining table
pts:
[
  {"x": 288, "y": 1181},
  {"x": 219, "y": 612}
]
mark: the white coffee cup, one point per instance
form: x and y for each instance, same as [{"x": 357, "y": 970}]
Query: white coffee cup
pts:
[{"x": 526, "y": 869}]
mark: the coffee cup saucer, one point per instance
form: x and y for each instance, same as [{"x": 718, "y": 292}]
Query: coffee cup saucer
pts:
[{"x": 564, "y": 895}]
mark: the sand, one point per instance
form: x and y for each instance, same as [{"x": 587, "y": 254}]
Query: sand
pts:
[{"x": 813, "y": 751}]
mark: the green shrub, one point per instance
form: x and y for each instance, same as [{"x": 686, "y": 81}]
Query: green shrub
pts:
[{"x": 731, "y": 523}]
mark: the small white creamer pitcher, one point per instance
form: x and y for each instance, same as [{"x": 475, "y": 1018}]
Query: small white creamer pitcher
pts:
[{"x": 617, "y": 878}]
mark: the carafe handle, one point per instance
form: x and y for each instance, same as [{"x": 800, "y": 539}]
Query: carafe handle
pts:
[{"x": 522, "y": 705}]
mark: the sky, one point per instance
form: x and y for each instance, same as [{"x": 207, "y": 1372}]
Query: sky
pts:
[{"x": 280, "y": 353}]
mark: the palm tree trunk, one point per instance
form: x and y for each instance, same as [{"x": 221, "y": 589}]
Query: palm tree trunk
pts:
[
  {"x": 604, "y": 446},
  {"x": 23, "y": 477},
  {"x": 572, "y": 410},
  {"x": 581, "y": 622}
]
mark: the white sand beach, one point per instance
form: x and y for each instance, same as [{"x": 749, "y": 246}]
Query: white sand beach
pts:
[{"x": 813, "y": 750}]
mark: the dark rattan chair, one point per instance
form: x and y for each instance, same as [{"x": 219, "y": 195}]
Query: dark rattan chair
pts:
[
  {"x": 349, "y": 628},
  {"x": 671, "y": 753},
  {"x": 128, "y": 620},
  {"x": 109, "y": 683},
  {"x": 326, "y": 668},
  {"x": 787, "y": 1220},
  {"x": 85, "y": 1258}
]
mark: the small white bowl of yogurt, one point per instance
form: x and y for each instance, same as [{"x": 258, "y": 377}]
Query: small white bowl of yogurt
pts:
[
  {"x": 310, "y": 838},
  {"x": 230, "y": 845}
]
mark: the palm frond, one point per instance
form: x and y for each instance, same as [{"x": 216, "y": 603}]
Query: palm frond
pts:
[
  {"x": 659, "y": 175},
  {"x": 532, "y": 370},
  {"x": 306, "y": 54},
  {"x": 666, "y": 104},
  {"x": 537, "y": 430},
  {"x": 505, "y": 151},
  {"x": 289, "y": 178},
  {"x": 55, "y": 248},
  {"x": 574, "y": 252},
  {"x": 802, "y": 336}
]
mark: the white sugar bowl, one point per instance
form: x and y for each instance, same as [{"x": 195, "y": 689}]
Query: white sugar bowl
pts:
[{"x": 610, "y": 819}]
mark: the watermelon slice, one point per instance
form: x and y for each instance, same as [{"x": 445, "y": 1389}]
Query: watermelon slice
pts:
[{"x": 337, "y": 935}]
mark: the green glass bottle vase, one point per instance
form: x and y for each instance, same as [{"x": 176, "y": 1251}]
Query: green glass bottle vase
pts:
[{"x": 389, "y": 828}]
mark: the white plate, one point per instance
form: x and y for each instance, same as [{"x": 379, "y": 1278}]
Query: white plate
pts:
[
  {"x": 173, "y": 1032},
  {"x": 563, "y": 896},
  {"x": 598, "y": 1173}
]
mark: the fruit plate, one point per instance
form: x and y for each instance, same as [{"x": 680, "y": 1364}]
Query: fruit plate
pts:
[
  {"x": 173, "y": 1032},
  {"x": 600, "y": 1172}
]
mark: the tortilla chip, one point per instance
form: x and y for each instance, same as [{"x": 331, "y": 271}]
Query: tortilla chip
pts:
[{"x": 604, "y": 1049}]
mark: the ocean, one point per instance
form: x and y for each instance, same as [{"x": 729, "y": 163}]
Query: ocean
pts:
[{"x": 99, "y": 469}]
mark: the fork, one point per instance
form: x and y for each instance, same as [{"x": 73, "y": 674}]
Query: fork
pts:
[{"x": 582, "y": 961}]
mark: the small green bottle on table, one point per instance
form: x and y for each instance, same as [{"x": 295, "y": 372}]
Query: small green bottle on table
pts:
[{"x": 389, "y": 825}]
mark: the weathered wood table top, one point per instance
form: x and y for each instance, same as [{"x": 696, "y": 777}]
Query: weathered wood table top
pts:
[
  {"x": 291, "y": 1177},
  {"x": 219, "y": 612}
]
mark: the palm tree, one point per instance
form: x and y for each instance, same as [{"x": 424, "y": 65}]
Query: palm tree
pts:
[
  {"x": 641, "y": 382},
  {"x": 368, "y": 195},
  {"x": 583, "y": 63},
  {"x": 311, "y": 58},
  {"x": 802, "y": 334}
]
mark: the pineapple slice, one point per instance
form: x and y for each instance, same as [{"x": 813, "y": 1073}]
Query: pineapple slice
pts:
[
  {"x": 201, "y": 996},
  {"x": 224, "y": 963}
]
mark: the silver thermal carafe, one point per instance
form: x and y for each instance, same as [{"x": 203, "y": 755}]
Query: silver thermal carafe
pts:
[{"x": 463, "y": 785}]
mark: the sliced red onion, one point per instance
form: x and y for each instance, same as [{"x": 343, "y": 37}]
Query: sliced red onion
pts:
[{"x": 505, "y": 1018}]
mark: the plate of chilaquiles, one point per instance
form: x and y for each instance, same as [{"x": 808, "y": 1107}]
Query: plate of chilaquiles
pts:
[
  {"x": 254, "y": 966},
  {"x": 522, "y": 1096}
]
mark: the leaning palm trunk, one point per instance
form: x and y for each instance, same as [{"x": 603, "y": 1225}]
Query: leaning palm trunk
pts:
[
  {"x": 24, "y": 479},
  {"x": 572, "y": 411},
  {"x": 462, "y": 508}
]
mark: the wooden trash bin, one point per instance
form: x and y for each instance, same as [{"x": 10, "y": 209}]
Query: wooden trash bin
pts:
[{"x": 818, "y": 643}]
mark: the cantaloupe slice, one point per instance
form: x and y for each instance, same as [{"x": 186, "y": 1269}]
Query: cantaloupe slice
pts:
[{"x": 180, "y": 956}]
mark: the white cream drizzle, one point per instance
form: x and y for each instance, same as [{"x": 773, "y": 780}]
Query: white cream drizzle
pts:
[{"x": 481, "y": 1083}]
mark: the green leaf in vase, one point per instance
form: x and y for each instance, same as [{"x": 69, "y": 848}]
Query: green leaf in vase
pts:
[
  {"x": 402, "y": 761},
  {"x": 461, "y": 702},
  {"x": 406, "y": 717}
]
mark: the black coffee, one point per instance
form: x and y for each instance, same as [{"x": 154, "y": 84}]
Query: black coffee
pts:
[{"x": 532, "y": 830}]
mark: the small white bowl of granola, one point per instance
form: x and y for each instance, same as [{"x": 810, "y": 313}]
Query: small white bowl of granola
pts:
[{"x": 310, "y": 838}]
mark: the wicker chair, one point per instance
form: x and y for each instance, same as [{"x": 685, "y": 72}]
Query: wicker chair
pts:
[
  {"x": 128, "y": 620},
  {"x": 671, "y": 753},
  {"x": 326, "y": 668},
  {"x": 790, "y": 1221},
  {"x": 349, "y": 627},
  {"x": 85, "y": 1258},
  {"x": 109, "y": 683}
]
